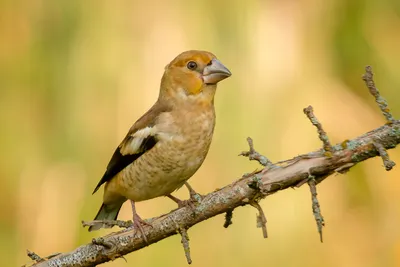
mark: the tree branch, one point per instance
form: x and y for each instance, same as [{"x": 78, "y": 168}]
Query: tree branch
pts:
[{"x": 248, "y": 190}]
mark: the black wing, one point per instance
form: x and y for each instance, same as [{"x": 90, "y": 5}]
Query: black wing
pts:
[{"x": 118, "y": 161}]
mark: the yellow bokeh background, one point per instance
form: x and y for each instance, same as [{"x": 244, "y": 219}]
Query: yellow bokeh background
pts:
[{"x": 74, "y": 76}]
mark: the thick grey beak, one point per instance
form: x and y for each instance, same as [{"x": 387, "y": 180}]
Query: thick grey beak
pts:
[{"x": 215, "y": 72}]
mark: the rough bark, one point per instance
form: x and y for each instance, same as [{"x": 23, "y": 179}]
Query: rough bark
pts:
[
  {"x": 311, "y": 168},
  {"x": 251, "y": 187}
]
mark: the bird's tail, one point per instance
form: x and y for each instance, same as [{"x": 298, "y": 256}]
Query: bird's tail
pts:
[{"x": 106, "y": 212}]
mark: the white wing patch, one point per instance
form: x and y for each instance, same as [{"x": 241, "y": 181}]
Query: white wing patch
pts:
[{"x": 133, "y": 145}]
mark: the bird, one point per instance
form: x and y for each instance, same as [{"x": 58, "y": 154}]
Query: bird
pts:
[{"x": 169, "y": 143}]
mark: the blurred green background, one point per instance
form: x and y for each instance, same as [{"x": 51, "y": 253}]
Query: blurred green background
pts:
[{"x": 74, "y": 76}]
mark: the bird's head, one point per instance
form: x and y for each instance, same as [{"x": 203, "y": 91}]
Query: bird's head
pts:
[{"x": 193, "y": 73}]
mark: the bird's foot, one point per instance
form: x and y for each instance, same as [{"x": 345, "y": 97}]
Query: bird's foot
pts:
[
  {"x": 138, "y": 224},
  {"x": 183, "y": 203},
  {"x": 195, "y": 199},
  {"x": 194, "y": 196}
]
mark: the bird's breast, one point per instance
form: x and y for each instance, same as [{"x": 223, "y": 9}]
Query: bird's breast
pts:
[{"x": 184, "y": 139}]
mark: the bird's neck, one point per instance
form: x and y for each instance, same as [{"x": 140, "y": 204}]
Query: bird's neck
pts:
[{"x": 179, "y": 97}]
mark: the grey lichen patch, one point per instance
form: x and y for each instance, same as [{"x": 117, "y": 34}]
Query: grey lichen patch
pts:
[
  {"x": 338, "y": 147},
  {"x": 256, "y": 181},
  {"x": 219, "y": 199},
  {"x": 362, "y": 155},
  {"x": 324, "y": 138},
  {"x": 239, "y": 190},
  {"x": 216, "y": 199},
  {"x": 394, "y": 139},
  {"x": 197, "y": 197},
  {"x": 201, "y": 207},
  {"x": 213, "y": 200},
  {"x": 315, "y": 206},
  {"x": 314, "y": 120},
  {"x": 395, "y": 132},
  {"x": 381, "y": 100},
  {"x": 81, "y": 255},
  {"x": 55, "y": 263},
  {"x": 353, "y": 144},
  {"x": 263, "y": 160},
  {"x": 164, "y": 225},
  {"x": 124, "y": 240}
]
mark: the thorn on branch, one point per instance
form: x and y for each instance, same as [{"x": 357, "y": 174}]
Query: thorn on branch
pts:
[
  {"x": 228, "y": 218},
  {"x": 389, "y": 164},
  {"x": 109, "y": 223},
  {"x": 101, "y": 242},
  {"x": 252, "y": 154},
  {"x": 315, "y": 206},
  {"x": 185, "y": 244},
  {"x": 368, "y": 78},
  {"x": 309, "y": 111},
  {"x": 33, "y": 256},
  {"x": 261, "y": 219}
]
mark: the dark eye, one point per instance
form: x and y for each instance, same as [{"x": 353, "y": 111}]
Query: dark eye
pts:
[{"x": 192, "y": 65}]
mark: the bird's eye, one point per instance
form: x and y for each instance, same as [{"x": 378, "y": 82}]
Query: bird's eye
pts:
[{"x": 192, "y": 65}]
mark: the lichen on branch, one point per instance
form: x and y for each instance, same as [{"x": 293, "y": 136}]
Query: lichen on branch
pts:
[{"x": 247, "y": 190}]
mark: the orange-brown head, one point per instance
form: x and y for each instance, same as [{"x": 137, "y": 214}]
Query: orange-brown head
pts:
[{"x": 192, "y": 73}]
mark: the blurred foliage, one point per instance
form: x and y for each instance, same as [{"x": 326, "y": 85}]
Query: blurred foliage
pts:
[{"x": 74, "y": 75}]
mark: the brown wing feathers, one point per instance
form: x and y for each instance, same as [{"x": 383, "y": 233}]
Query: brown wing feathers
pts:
[{"x": 120, "y": 160}]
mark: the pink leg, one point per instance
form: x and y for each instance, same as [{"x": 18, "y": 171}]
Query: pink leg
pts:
[{"x": 138, "y": 222}]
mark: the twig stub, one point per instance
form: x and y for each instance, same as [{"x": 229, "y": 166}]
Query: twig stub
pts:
[
  {"x": 368, "y": 78},
  {"x": 228, "y": 218},
  {"x": 33, "y": 256},
  {"x": 252, "y": 154},
  {"x": 387, "y": 162},
  {"x": 315, "y": 206},
  {"x": 309, "y": 111},
  {"x": 185, "y": 244},
  {"x": 101, "y": 242},
  {"x": 261, "y": 219}
]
